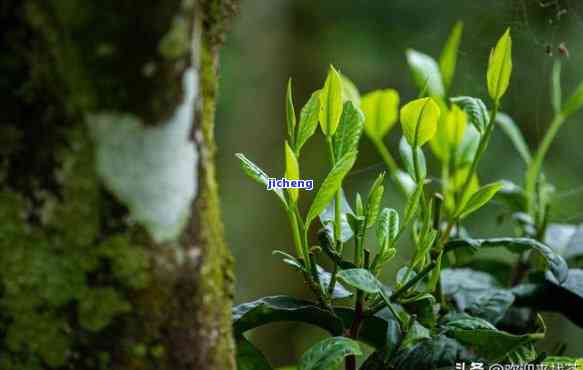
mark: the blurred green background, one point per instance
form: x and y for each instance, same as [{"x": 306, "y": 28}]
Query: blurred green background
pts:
[{"x": 275, "y": 39}]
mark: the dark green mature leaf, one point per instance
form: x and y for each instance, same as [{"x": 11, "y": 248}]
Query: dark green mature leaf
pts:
[
  {"x": 330, "y": 185},
  {"x": 327, "y": 218},
  {"x": 249, "y": 357},
  {"x": 567, "y": 297},
  {"x": 511, "y": 130},
  {"x": 349, "y": 130},
  {"x": 556, "y": 263},
  {"x": 566, "y": 240},
  {"x": 493, "y": 344},
  {"x": 476, "y": 293},
  {"x": 257, "y": 174},
  {"x": 329, "y": 354},
  {"x": 247, "y": 316},
  {"x": 431, "y": 353},
  {"x": 425, "y": 72},
  {"x": 476, "y": 110},
  {"x": 308, "y": 121},
  {"x": 406, "y": 152}
]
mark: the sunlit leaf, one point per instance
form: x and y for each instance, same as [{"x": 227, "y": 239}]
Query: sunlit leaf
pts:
[
  {"x": 479, "y": 198},
  {"x": 500, "y": 67},
  {"x": 292, "y": 170},
  {"x": 381, "y": 111},
  {"x": 331, "y": 102},
  {"x": 349, "y": 130},
  {"x": 419, "y": 120},
  {"x": 257, "y": 174},
  {"x": 308, "y": 121},
  {"x": 476, "y": 109},
  {"x": 331, "y": 185}
]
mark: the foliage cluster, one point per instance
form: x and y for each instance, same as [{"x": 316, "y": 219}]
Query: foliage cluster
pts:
[{"x": 447, "y": 304}]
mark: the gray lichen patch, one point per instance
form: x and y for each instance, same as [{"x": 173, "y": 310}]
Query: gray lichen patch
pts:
[{"x": 151, "y": 169}]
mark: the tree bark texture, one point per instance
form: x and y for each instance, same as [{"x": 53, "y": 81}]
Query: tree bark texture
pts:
[{"x": 111, "y": 256}]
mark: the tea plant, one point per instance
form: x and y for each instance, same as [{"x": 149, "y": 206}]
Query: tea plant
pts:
[{"x": 444, "y": 307}]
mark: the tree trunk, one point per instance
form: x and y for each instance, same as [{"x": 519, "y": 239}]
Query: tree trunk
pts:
[{"x": 111, "y": 242}]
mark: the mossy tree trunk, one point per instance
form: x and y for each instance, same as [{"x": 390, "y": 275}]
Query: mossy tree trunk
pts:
[{"x": 111, "y": 242}]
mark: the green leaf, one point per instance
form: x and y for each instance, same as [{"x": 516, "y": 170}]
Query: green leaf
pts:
[
  {"x": 388, "y": 227},
  {"x": 381, "y": 111},
  {"x": 327, "y": 218},
  {"x": 329, "y": 354},
  {"x": 339, "y": 292},
  {"x": 450, "y": 132},
  {"x": 257, "y": 174},
  {"x": 476, "y": 293},
  {"x": 290, "y": 113},
  {"x": 247, "y": 316},
  {"x": 567, "y": 297},
  {"x": 566, "y": 240},
  {"x": 479, "y": 198},
  {"x": 292, "y": 171},
  {"x": 467, "y": 149},
  {"x": 406, "y": 152},
  {"x": 350, "y": 91},
  {"x": 419, "y": 120},
  {"x": 463, "y": 321},
  {"x": 448, "y": 59},
  {"x": 500, "y": 67},
  {"x": 431, "y": 353},
  {"x": 249, "y": 357},
  {"x": 331, "y": 102},
  {"x": 361, "y": 279},
  {"x": 374, "y": 199},
  {"x": 493, "y": 344},
  {"x": 569, "y": 361},
  {"x": 476, "y": 110},
  {"x": 308, "y": 121},
  {"x": 331, "y": 185},
  {"x": 289, "y": 260},
  {"x": 406, "y": 182},
  {"x": 512, "y": 195},
  {"x": 556, "y": 264},
  {"x": 574, "y": 103},
  {"x": 349, "y": 130},
  {"x": 412, "y": 204},
  {"x": 425, "y": 72},
  {"x": 511, "y": 130}
]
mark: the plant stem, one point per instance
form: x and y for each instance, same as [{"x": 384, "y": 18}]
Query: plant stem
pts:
[
  {"x": 535, "y": 166},
  {"x": 484, "y": 140},
  {"x": 390, "y": 163},
  {"x": 296, "y": 235}
]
